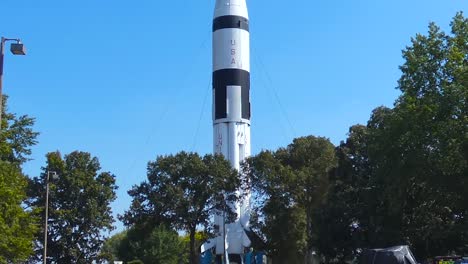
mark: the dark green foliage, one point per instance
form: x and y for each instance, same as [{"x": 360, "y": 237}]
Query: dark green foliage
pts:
[
  {"x": 402, "y": 179},
  {"x": 429, "y": 127},
  {"x": 182, "y": 192},
  {"x": 290, "y": 185},
  {"x": 17, "y": 227},
  {"x": 79, "y": 207},
  {"x": 349, "y": 200}
]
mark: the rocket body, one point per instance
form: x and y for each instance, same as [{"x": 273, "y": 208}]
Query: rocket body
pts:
[{"x": 231, "y": 109}]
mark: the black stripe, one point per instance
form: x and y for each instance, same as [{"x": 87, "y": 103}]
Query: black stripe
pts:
[
  {"x": 230, "y": 22},
  {"x": 224, "y": 78}
]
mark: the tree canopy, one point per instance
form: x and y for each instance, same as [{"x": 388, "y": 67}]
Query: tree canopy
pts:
[
  {"x": 160, "y": 246},
  {"x": 17, "y": 226},
  {"x": 290, "y": 185},
  {"x": 183, "y": 191},
  {"x": 79, "y": 207},
  {"x": 16, "y": 136},
  {"x": 402, "y": 178}
]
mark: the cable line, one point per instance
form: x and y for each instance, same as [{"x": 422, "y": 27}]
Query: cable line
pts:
[
  {"x": 283, "y": 110},
  {"x": 201, "y": 116},
  {"x": 171, "y": 103}
]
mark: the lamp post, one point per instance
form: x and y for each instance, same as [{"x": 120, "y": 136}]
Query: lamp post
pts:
[
  {"x": 54, "y": 176},
  {"x": 17, "y": 49}
]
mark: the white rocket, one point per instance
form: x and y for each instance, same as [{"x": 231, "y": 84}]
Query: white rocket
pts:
[{"x": 231, "y": 113}]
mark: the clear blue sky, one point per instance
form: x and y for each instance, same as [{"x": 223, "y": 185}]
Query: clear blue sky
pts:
[{"x": 129, "y": 80}]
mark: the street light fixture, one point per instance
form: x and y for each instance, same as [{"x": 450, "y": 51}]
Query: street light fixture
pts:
[
  {"x": 54, "y": 177},
  {"x": 17, "y": 49}
]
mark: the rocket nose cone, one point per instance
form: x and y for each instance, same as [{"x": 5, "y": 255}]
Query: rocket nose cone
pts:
[{"x": 231, "y": 8}]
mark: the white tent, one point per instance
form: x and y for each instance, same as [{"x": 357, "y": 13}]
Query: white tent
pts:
[{"x": 393, "y": 255}]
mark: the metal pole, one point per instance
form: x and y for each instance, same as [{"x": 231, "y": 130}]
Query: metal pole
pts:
[
  {"x": 2, "y": 55},
  {"x": 226, "y": 258},
  {"x": 46, "y": 218}
]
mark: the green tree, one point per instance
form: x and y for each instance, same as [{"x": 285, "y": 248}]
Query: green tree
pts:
[
  {"x": 79, "y": 207},
  {"x": 160, "y": 246},
  {"x": 290, "y": 185},
  {"x": 111, "y": 248},
  {"x": 403, "y": 177},
  {"x": 16, "y": 136},
  {"x": 420, "y": 145},
  {"x": 163, "y": 246},
  {"x": 183, "y": 191},
  {"x": 17, "y": 226},
  {"x": 343, "y": 218}
]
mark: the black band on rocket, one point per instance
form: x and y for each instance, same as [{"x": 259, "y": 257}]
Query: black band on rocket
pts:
[
  {"x": 234, "y": 77},
  {"x": 230, "y": 22}
]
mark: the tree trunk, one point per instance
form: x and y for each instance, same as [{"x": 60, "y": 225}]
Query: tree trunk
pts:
[
  {"x": 308, "y": 253},
  {"x": 193, "y": 253}
]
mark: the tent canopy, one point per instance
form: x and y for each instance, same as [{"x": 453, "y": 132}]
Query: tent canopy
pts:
[{"x": 393, "y": 255}]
